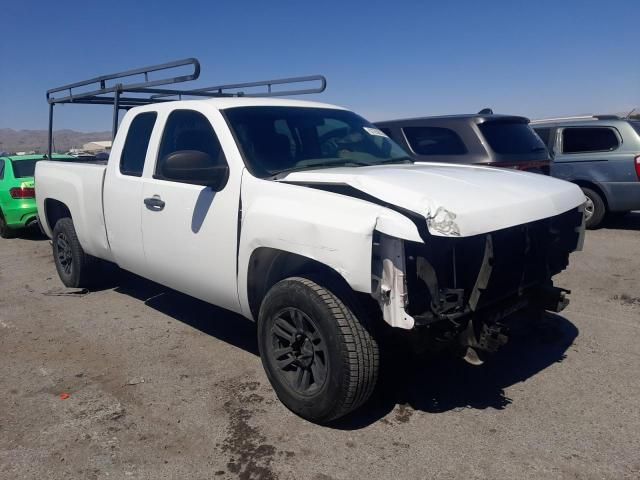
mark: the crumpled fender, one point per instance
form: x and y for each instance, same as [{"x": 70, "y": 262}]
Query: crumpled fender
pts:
[{"x": 333, "y": 229}]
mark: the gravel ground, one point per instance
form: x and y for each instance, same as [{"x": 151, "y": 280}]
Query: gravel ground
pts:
[{"x": 160, "y": 385}]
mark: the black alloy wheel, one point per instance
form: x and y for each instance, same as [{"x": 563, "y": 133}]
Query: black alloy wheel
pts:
[
  {"x": 63, "y": 253},
  {"x": 299, "y": 350}
]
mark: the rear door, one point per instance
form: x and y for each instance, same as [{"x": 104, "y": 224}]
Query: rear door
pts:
[
  {"x": 189, "y": 231},
  {"x": 123, "y": 191}
]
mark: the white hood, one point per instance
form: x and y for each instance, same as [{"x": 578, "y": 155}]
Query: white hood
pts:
[{"x": 457, "y": 200}]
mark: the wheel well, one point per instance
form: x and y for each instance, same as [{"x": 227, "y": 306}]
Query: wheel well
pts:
[
  {"x": 595, "y": 188},
  {"x": 267, "y": 266},
  {"x": 54, "y": 211}
]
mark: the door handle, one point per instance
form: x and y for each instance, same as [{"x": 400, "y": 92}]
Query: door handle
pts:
[{"x": 154, "y": 203}]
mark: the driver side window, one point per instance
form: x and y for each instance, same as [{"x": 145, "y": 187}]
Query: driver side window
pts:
[{"x": 188, "y": 130}]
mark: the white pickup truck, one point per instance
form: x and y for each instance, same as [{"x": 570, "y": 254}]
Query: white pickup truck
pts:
[{"x": 307, "y": 219}]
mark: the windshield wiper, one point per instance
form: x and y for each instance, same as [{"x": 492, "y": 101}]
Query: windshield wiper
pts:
[{"x": 395, "y": 160}]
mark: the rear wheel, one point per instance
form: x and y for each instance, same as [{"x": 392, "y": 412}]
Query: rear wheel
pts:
[
  {"x": 594, "y": 209},
  {"x": 75, "y": 267},
  {"x": 321, "y": 360},
  {"x": 5, "y": 231}
]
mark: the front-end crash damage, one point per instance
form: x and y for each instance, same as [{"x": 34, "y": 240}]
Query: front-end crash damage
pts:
[
  {"x": 443, "y": 222},
  {"x": 448, "y": 253},
  {"x": 389, "y": 283},
  {"x": 465, "y": 289}
]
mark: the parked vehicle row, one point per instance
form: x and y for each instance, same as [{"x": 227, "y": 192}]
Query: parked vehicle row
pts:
[{"x": 309, "y": 220}]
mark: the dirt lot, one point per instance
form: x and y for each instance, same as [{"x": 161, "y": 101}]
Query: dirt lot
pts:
[{"x": 163, "y": 386}]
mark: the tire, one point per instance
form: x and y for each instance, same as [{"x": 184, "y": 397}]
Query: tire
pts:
[
  {"x": 595, "y": 203},
  {"x": 321, "y": 360},
  {"x": 75, "y": 267},
  {"x": 5, "y": 231}
]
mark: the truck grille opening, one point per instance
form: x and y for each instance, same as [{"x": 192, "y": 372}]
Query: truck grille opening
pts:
[{"x": 443, "y": 273}]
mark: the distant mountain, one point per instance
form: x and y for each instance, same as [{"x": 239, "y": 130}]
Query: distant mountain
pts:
[{"x": 63, "y": 140}]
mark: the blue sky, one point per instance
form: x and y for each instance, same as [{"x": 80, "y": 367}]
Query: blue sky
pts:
[{"x": 382, "y": 59}]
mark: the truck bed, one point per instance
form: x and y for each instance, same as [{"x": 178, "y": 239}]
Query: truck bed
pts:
[{"x": 79, "y": 187}]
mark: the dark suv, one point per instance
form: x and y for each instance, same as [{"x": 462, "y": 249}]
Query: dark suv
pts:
[
  {"x": 602, "y": 155},
  {"x": 482, "y": 138}
]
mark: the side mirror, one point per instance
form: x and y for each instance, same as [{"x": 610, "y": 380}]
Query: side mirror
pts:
[{"x": 195, "y": 167}]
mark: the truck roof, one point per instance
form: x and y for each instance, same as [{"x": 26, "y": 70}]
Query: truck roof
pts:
[{"x": 222, "y": 103}]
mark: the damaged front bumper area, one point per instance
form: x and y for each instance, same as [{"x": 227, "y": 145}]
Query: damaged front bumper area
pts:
[{"x": 462, "y": 288}]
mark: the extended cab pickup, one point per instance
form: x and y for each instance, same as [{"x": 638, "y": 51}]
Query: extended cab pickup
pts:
[{"x": 307, "y": 219}]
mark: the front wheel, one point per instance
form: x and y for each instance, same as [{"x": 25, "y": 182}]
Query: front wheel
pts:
[
  {"x": 321, "y": 360},
  {"x": 75, "y": 267}
]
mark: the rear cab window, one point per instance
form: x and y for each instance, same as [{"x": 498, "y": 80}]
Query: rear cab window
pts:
[
  {"x": 512, "y": 138},
  {"x": 136, "y": 144},
  {"x": 434, "y": 141},
  {"x": 589, "y": 139}
]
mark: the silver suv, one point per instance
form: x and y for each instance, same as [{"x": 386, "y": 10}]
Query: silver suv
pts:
[{"x": 601, "y": 154}]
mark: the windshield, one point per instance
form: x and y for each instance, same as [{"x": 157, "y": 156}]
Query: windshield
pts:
[
  {"x": 24, "y": 168},
  {"x": 512, "y": 138},
  {"x": 276, "y": 140}
]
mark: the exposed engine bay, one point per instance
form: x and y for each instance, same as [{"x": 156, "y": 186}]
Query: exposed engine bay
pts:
[{"x": 462, "y": 288}]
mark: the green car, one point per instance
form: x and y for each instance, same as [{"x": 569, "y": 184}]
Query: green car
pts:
[{"x": 17, "y": 193}]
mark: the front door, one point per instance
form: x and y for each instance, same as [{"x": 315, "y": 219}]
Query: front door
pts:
[{"x": 190, "y": 231}]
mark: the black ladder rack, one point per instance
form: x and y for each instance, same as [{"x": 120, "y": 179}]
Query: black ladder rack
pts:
[
  {"x": 109, "y": 89},
  {"x": 224, "y": 90}
]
